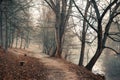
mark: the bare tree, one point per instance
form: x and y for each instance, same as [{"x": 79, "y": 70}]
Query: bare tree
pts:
[
  {"x": 62, "y": 11},
  {"x": 1, "y": 33},
  {"x": 101, "y": 37},
  {"x": 84, "y": 31},
  {"x": 10, "y": 20}
]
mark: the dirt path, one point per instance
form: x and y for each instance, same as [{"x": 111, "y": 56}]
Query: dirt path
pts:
[{"x": 57, "y": 69}]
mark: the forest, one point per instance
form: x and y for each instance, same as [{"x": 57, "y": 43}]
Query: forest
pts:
[{"x": 59, "y": 39}]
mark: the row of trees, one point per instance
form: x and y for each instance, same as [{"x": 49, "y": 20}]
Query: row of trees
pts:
[
  {"x": 14, "y": 23},
  {"x": 93, "y": 18}
]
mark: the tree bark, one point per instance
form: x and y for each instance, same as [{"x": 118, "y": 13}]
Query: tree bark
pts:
[
  {"x": 21, "y": 42},
  {"x": 12, "y": 37},
  {"x": 58, "y": 42},
  {"x": 94, "y": 59},
  {"x": 53, "y": 51},
  {"x": 99, "y": 50},
  {"x": 6, "y": 33},
  {"x": 16, "y": 40},
  {"x": 1, "y": 32},
  {"x": 62, "y": 13},
  {"x": 84, "y": 35}
]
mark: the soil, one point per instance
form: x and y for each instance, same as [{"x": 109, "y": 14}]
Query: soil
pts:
[{"x": 18, "y": 64}]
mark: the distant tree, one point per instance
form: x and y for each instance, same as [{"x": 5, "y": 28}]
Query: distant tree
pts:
[
  {"x": 45, "y": 30},
  {"x": 47, "y": 40},
  {"x": 1, "y": 33},
  {"x": 10, "y": 20},
  {"x": 62, "y": 10}
]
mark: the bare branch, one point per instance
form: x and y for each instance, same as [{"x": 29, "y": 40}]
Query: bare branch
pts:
[
  {"x": 108, "y": 7},
  {"x": 84, "y": 16},
  {"x": 96, "y": 9},
  {"x": 112, "y": 49},
  {"x": 51, "y": 4},
  {"x": 114, "y": 33},
  {"x": 114, "y": 39},
  {"x": 69, "y": 10},
  {"x": 116, "y": 14},
  {"x": 89, "y": 42}
]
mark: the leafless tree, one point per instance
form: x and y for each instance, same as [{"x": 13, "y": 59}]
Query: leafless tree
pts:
[
  {"x": 62, "y": 10},
  {"x": 101, "y": 37}
]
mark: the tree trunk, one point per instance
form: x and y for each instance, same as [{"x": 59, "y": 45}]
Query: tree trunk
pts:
[
  {"x": 9, "y": 34},
  {"x": 27, "y": 39},
  {"x": 1, "y": 33},
  {"x": 94, "y": 59},
  {"x": 58, "y": 34},
  {"x": 59, "y": 46},
  {"x": 16, "y": 40},
  {"x": 53, "y": 51},
  {"x": 59, "y": 50},
  {"x": 12, "y": 37},
  {"x": 21, "y": 42},
  {"x": 99, "y": 48},
  {"x": 82, "y": 51},
  {"x": 84, "y": 35},
  {"x": 6, "y": 34},
  {"x": 1, "y": 1}
]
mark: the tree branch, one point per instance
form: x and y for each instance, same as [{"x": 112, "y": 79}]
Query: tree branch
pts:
[
  {"x": 114, "y": 39},
  {"x": 114, "y": 33},
  {"x": 51, "y": 4},
  {"x": 109, "y": 6},
  {"x": 84, "y": 16},
  {"x": 96, "y": 9},
  {"x": 112, "y": 49}
]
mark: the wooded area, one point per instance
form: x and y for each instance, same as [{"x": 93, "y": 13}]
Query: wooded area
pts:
[{"x": 63, "y": 28}]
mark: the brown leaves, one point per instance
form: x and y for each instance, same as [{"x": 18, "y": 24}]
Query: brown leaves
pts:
[
  {"x": 10, "y": 68},
  {"x": 40, "y": 69}
]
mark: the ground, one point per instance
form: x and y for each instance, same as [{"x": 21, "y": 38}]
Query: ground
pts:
[{"x": 18, "y": 64}]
